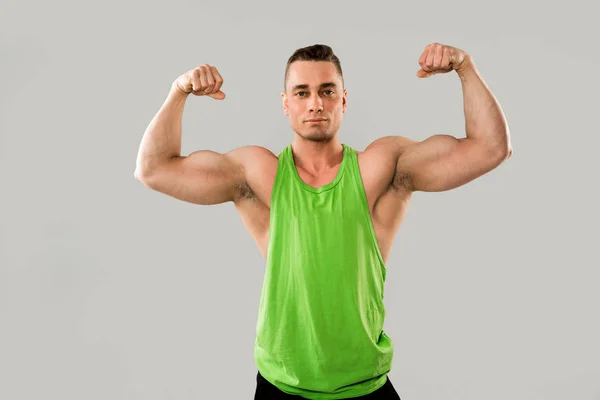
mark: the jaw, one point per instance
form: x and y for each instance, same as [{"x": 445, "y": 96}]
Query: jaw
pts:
[{"x": 316, "y": 134}]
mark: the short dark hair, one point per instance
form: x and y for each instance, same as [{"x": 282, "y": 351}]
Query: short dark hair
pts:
[{"x": 316, "y": 52}]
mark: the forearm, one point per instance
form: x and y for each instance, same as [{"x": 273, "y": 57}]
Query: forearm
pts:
[
  {"x": 162, "y": 138},
  {"x": 484, "y": 119}
]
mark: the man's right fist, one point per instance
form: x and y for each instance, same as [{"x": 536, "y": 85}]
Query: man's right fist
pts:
[{"x": 204, "y": 80}]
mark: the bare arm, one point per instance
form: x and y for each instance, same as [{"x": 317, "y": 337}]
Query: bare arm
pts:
[
  {"x": 162, "y": 138},
  {"x": 443, "y": 162},
  {"x": 203, "y": 177}
]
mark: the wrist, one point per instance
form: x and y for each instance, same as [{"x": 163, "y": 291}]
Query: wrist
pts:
[
  {"x": 466, "y": 67},
  {"x": 176, "y": 89}
]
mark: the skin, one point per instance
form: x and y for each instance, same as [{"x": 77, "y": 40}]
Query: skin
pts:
[{"x": 392, "y": 167}]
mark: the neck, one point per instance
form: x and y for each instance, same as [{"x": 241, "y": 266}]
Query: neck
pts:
[{"x": 316, "y": 157}]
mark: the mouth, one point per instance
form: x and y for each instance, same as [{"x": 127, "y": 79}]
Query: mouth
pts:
[{"x": 315, "y": 120}]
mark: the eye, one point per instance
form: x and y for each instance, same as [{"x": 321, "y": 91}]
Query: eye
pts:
[
  {"x": 300, "y": 94},
  {"x": 328, "y": 92}
]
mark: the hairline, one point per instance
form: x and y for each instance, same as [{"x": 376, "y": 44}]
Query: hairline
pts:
[{"x": 287, "y": 69}]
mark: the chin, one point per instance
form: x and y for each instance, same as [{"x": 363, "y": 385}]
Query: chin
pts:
[{"x": 317, "y": 136}]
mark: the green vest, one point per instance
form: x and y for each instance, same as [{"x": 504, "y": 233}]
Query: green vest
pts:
[{"x": 319, "y": 332}]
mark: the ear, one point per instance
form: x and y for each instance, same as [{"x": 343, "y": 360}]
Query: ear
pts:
[
  {"x": 285, "y": 103},
  {"x": 345, "y": 100}
]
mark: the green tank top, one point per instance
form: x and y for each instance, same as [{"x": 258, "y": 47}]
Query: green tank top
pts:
[{"x": 319, "y": 332}]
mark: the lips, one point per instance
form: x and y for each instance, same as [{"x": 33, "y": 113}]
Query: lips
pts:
[{"x": 316, "y": 120}]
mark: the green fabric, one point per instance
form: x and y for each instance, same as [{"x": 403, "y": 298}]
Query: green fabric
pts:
[{"x": 319, "y": 332}]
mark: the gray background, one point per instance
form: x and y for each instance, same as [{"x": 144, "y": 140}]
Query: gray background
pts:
[{"x": 109, "y": 290}]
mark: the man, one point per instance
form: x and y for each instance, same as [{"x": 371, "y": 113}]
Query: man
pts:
[{"x": 324, "y": 215}]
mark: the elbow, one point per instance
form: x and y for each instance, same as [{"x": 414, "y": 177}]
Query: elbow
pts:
[
  {"x": 498, "y": 154},
  {"x": 499, "y": 145},
  {"x": 507, "y": 150},
  {"x": 142, "y": 176},
  {"x": 138, "y": 174},
  {"x": 502, "y": 150},
  {"x": 503, "y": 153},
  {"x": 143, "y": 169}
]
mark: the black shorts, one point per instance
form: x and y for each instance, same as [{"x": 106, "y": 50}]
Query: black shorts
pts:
[{"x": 265, "y": 390}]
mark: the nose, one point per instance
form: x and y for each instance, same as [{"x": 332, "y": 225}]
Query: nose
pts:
[{"x": 316, "y": 103}]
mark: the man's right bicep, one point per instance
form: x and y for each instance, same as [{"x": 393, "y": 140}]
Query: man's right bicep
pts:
[{"x": 203, "y": 177}]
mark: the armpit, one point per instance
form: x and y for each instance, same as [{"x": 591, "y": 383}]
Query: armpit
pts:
[
  {"x": 244, "y": 192},
  {"x": 400, "y": 182}
]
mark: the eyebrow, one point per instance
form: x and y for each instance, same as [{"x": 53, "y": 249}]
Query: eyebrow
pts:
[{"x": 321, "y": 86}]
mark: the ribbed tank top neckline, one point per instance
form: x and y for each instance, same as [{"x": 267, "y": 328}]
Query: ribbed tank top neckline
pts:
[{"x": 290, "y": 162}]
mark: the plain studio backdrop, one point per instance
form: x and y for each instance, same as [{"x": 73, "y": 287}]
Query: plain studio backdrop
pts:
[{"x": 109, "y": 290}]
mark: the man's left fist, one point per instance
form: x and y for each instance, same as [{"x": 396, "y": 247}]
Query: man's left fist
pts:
[{"x": 439, "y": 59}]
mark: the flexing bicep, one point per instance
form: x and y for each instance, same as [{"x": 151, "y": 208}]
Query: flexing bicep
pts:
[
  {"x": 443, "y": 162},
  {"x": 203, "y": 177}
]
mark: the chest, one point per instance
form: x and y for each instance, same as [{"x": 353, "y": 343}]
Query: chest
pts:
[
  {"x": 318, "y": 181},
  {"x": 386, "y": 206}
]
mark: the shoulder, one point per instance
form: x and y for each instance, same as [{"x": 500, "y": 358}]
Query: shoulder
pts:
[
  {"x": 254, "y": 152},
  {"x": 378, "y": 164},
  {"x": 390, "y": 145},
  {"x": 385, "y": 150},
  {"x": 247, "y": 157},
  {"x": 259, "y": 167},
  {"x": 254, "y": 159}
]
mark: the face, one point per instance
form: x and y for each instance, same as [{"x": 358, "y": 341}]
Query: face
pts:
[{"x": 314, "y": 99}]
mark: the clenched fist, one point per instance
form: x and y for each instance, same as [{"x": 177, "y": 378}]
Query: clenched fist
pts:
[
  {"x": 439, "y": 59},
  {"x": 204, "y": 80}
]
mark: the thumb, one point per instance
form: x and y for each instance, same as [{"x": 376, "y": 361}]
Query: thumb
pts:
[
  {"x": 423, "y": 74},
  {"x": 217, "y": 96}
]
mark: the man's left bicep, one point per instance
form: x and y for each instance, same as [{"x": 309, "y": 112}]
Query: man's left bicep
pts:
[{"x": 443, "y": 162}]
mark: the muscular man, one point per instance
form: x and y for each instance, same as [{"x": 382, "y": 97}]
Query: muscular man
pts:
[{"x": 323, "y": 214}]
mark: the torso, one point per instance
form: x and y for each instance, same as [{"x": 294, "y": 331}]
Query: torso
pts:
[{"x": 387, "y": 197}]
